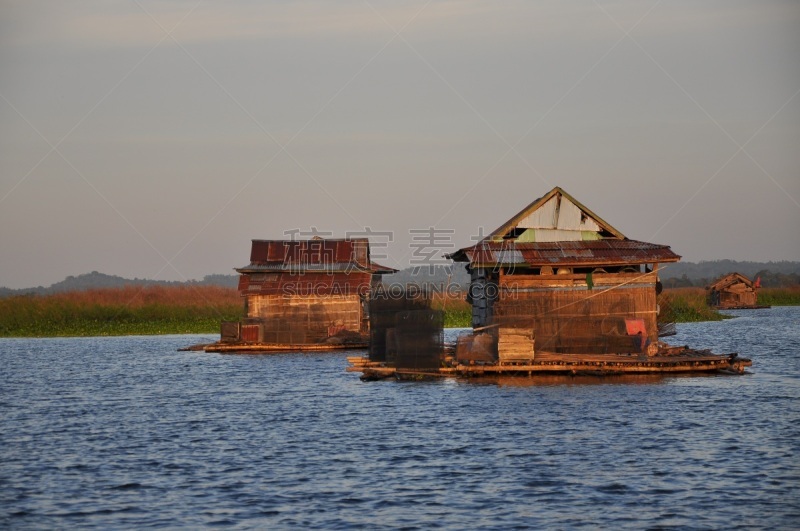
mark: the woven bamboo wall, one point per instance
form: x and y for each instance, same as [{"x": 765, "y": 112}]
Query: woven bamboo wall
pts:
[
  {"x": 568, "y": 317},
  {"x": 305, "y": 319},
  {"x": 419, "y": 339},
  {"x": 383, "y": 313}
]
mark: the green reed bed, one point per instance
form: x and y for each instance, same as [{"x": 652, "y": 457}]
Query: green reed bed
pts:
[
  {"x": 779, "y": 296},
  {"x": 457, "y": 312},
  {"x": 686, "y": 305},
  {"x": 457, "y": 318},
  {"x": 199, "y": 310},
  {"x": 124, "y": 312}
]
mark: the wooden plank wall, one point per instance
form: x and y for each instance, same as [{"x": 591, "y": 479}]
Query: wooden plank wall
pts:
[
  {"x": 229, "y": 331},
  {"x": 738, "y": 298}
]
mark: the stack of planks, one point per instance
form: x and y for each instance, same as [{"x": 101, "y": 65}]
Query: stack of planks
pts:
[{"x": 514, "y": 344}]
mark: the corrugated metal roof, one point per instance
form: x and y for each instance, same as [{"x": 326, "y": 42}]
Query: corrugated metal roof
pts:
[
  {"x": 508, "y": 256},
  {"x": 610, "y": 251},
  {"x": 329, "y": 255},
  {"x": 730, "y": 279}
]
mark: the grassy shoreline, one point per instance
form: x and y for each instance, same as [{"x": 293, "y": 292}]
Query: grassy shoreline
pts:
[
  {"x": 121, "y": 311},
  {"x": 686, "y": 305},
  {"x": 780, "y": 296},
  {"x": 199, "y": 310}
]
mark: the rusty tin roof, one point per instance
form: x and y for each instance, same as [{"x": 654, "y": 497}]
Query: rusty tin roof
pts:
[
  {"x": 609, "y": 251},
  {"x": 317, "y": 255},
  {"x": 729, "y": 280}
]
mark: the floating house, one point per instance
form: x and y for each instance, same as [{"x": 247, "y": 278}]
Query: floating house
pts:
[
  {"x": 304, "y": 295},
  {"x": 569, "y": 276},
  {"x": 734, "y": 291},
  {"x": 558, "y": 289}
]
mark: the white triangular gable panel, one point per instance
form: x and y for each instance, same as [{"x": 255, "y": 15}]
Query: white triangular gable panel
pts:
[
  {"x": 556, "y": 235},
  {"x": 543, "y": 217},
  {"x": 569, "y": 218}
]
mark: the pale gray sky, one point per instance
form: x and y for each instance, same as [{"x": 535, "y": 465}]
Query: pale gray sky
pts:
[{"x": 156, "y": 138}]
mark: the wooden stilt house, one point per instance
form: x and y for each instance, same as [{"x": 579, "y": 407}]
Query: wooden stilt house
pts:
[
  {"x": 304, "y": 295},
  {"x": 733, "y": 291},
  {"x": 559, "y": 277}
]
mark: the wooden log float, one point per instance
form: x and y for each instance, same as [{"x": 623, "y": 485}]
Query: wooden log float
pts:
[
  {"x": 743, "y": 307},
  {"x": 254, "y": 348},
  {"x": 687, "y": 361},
  {"x": 195, "y": 348}
]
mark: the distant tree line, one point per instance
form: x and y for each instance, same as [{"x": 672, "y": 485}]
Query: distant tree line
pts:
[
  {"x": 699, "y": 272},
  {"x": 681, "y": 274}
]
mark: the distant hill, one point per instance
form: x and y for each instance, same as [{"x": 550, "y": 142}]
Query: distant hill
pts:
[
  {"x": 439, "y": 275},
  {"x": 681, "y": 274},
  {"x": 95, "y": 280}
]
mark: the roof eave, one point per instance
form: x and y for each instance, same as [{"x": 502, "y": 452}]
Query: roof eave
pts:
[
  {"x": 381, "y": 270},
  {"x": 458, "y": 256},
  {"x": 572, "y": 263}
]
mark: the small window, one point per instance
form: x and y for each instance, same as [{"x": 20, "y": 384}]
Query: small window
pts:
[{"x": 514, "y": 233}]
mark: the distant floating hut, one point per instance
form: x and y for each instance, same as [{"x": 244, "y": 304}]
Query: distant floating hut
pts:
[
  {"x": 558, "y": 289},
  {"x": 734, "y": 291},
  {"x": 304, "y": 295}
]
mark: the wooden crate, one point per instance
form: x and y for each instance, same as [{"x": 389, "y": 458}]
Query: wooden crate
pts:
[
  {"x": 515, "y": 344},
  {"x": 250, "y": 333}
]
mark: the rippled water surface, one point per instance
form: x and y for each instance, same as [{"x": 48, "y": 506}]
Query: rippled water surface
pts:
[{"x": 128, "y": 433}]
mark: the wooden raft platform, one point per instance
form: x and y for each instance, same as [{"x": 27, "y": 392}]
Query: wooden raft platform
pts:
[
  {"x": 743, "y": 307},
  {"x": 671, "y": 360},
  {"x": 255, "y": 348}
]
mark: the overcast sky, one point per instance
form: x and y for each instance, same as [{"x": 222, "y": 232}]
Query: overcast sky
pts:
[{"x": 155, "y": 139}]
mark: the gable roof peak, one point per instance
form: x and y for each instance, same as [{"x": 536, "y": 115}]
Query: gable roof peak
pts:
[{"x": 554, "y": 215}]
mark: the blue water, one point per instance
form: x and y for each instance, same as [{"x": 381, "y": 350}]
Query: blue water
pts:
[{"x": 126, "y": 433}]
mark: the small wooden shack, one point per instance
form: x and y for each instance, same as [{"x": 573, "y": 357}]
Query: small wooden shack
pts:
[
  {"x": 304, "y": 295},
  {"x": 733, "y": 291}
]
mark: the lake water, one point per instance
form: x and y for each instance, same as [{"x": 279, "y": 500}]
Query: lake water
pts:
[{"x": 128, "y": 433}]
